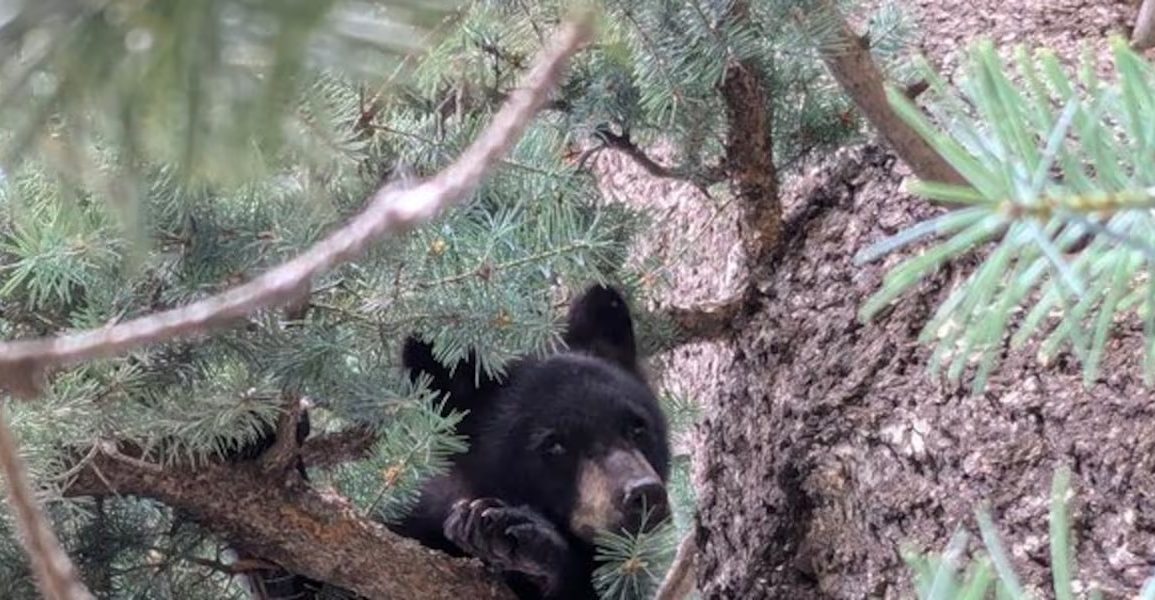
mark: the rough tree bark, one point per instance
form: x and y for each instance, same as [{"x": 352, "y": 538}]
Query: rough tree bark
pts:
[
  {"x": 308, "y": 531},
  {"x": 833, "y": 447}
]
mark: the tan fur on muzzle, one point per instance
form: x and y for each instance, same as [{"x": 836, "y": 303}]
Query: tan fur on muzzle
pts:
[{"x": 601, "y": 484}]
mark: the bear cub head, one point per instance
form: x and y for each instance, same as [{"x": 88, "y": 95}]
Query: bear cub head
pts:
[{"x": 577, "y": 435}]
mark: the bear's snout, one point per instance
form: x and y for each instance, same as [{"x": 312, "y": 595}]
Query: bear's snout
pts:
[
  {"x": 619, "y": 490},
  {"x": 644, "y": 504}
]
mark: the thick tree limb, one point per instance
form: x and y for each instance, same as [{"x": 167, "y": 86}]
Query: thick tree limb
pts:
[
  {"x": 852, "y": 66},
  {"x": 390, "y": 210},
  {"x": 55, "y": 573},
  {"x": 749, "y": 167},
  {"x": 306, "y": 531}
]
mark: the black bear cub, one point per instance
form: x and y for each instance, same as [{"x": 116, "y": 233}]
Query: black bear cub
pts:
[{"x": 561, "y": 448}]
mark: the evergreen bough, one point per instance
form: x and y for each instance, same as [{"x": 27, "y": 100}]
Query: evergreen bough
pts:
[
  {"x": 156, "y": 153},
  {"x": 1058, "y": 198}
]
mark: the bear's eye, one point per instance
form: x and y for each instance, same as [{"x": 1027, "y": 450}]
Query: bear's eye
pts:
[
  {"x": 637, "y": 429},
  {"x": 552, "y": 445}
]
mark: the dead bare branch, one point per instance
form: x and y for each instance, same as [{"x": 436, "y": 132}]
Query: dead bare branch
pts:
[
  {"x": 55, "y": 575},
  {"x": 853, "y": 67},
  {"x": 679, "y": 580},
  {"x": 1143, "y": 37},
  {"x": 391, "y": 210}
]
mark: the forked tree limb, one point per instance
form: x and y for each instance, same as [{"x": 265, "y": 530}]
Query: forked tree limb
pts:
[
  {"x": 854, "y": 69},
  {"x": 749, "y": 162},
  {"x": 390, "y": 210},
  {"x": 748, "y": 166}
]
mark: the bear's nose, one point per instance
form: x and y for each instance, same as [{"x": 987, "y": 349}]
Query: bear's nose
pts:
[{"x": 644, "y": 504}]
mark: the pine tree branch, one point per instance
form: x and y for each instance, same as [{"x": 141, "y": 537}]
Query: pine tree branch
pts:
[
  {"x": 390, "y": 210},
  {"x": 679, "y": 581},
  {"x": 55, "y": 575},
  {"x": 340, "y": 447},
  {"x": 854, "y": 69},
  {"x": 315, "y": 533},
  {"x": 749, "y": 167},
  {"x": 288, "y": 529}
]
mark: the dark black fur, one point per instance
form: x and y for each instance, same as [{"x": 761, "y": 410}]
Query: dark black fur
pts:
[{"x": 509, "y": 501}]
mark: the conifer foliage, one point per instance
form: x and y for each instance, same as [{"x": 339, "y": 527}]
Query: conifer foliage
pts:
[
  {"x": 157, "y": 153},
  {"x": 1058, "y": 195}
]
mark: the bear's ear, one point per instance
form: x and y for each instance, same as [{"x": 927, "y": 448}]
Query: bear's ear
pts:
[
  {"x": 459, "y": 382},
  {"x": 417, "y": 357},
  {"x": 600, "y": 324}
]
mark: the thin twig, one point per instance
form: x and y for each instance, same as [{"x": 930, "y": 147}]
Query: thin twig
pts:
[
  {"x": 55, "y": 575},
  {"x": 679, "y": 580},
  {"x": 80, "y": 464},
  {"x": 110, "y": 450},
  {"x": 390, "y": 210},
  {"x": 239, "y": 567},
  {"x": 625, "y": 143}
]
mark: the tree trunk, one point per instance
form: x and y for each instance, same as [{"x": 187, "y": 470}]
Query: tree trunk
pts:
[{"x": 833, "y": 449}]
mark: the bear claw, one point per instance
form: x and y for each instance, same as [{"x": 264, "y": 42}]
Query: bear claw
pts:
[{"x": 505, "y": 537}]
